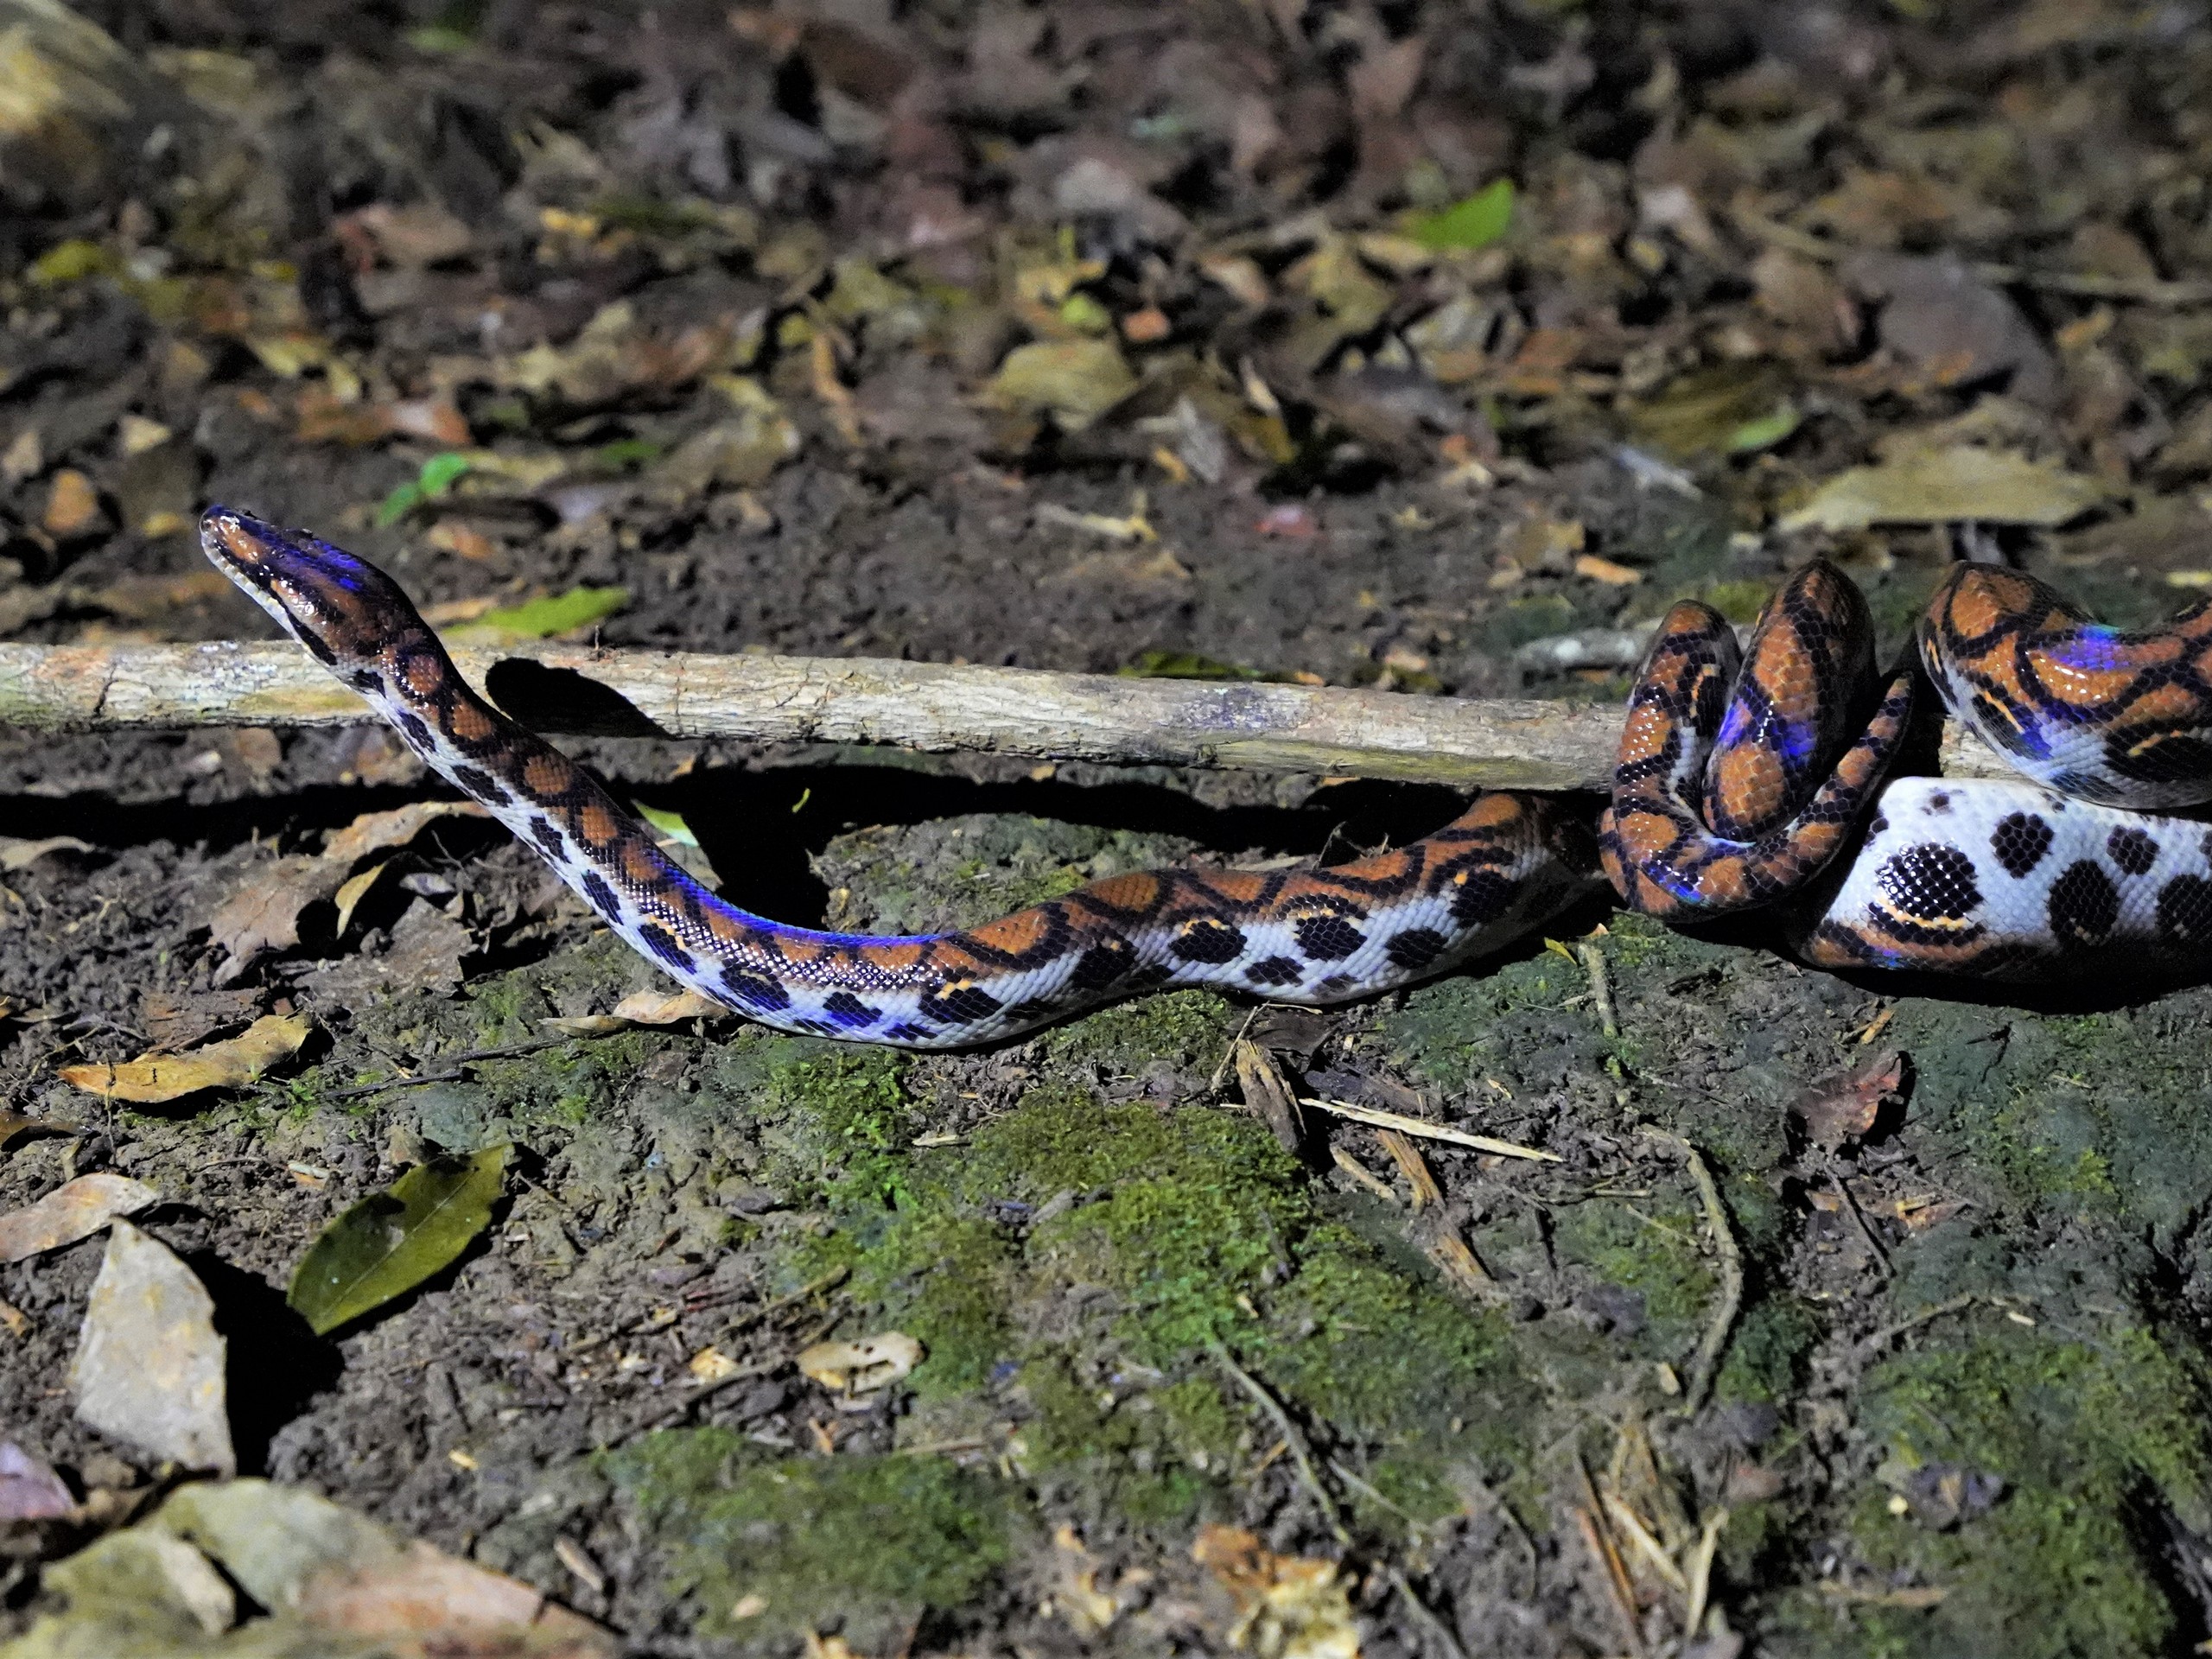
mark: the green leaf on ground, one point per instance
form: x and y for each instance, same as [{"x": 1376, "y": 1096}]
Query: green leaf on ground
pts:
[
  {"x": 1476, "y": 222},
  {"x": 545, "y": 619},
  {"x": 392, "y": 1242},
  {"x": 439, "y": 473},
  {"x": 671, "y": 825}
]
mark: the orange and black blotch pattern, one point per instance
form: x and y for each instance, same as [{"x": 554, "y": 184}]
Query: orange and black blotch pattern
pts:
[
  {"x": 1304, "y": 935},
  {"x": 2123, "y": 719},
  {"x": 1760, "y": 741}
]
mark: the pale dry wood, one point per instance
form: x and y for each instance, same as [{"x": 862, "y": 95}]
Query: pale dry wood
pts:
[
  {"x": 1375, "y": 1118},
  {"x": 1497, "y": 743}
]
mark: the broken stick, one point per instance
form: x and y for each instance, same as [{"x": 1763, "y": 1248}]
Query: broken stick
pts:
[{"x": 1497, "y": 743}]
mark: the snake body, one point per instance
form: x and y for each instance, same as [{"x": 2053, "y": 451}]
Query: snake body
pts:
[
  {"x": 1743, "y": 776},
  {"x": 1313, "y": 936}
]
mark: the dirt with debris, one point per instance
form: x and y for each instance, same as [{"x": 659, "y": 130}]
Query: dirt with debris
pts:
[{"x": 1428, "y": 346}]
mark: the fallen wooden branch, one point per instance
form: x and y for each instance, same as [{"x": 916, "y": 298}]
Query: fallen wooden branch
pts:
[{"x": 1498, "y": 743}]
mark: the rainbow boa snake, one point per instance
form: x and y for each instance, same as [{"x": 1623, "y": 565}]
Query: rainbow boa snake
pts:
[{"x": 1745, "y": 778}]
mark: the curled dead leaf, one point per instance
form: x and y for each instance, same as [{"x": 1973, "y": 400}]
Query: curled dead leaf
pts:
[
  {"x": 1845, "y": 1109},
  {"x": 154, "y": 1077},
  {"x": 640, "y": 1008},
  {"x": 1268, "y": 1093},
  {"x": 1288, "y": 1607}
]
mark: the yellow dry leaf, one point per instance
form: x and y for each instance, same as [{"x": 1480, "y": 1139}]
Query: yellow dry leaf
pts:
[
  {"x": 1077, "y": 1598},
  {"x": 1075, "y": 380},
  {"x": 353, "y": 890},
  {"x": 154, "y": 1077},
  {"x": 1949, "y": 484},
  {"x": 864, "y": 1366},
  {"x": 710, "y": 1364},
  {"x": 1288, "y": 1607},
  {"x": 1605, "y": 570}
]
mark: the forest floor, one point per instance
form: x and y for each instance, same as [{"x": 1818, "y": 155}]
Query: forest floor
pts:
[{"x": 1431, "y": 347}]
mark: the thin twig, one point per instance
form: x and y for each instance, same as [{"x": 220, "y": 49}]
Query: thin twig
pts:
[
  {"x": 1723, "y": 1319},
  {"x": 1868, "y": 1346},
  {"x": 2147, "y": 290},
  {"x": 456, "y": 1067},
  {"x": 1589, "y": 1515},
  {"x": 1601, "y": 987},
  {"x": 1375, "y": 1118},
  {"x": 1857, "y": 1216},
  {"x": 1301, "y": 1453}
]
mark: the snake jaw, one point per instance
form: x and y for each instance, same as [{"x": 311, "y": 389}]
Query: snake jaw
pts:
[{"x": 321, "y": 595}]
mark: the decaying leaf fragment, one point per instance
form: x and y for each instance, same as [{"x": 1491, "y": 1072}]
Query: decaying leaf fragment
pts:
[
  {"x": 148, "y": 1369},
  {"x": 1949, "y": 484},
  {"x": 29, "y": 1490},
  {"x": 264, "y": 915},
  {"x": 640, "y": 1008},
  {"x": 152, "y": 1078},
  {"x": 1288, "y": 1607},
  {"x": 75, "y": 1209},
  {"x": 393, "y": 1241},
  {"x": 1841, "y": 1110},
  {"x": 864, "y": 1366},
  {"x": 332, "y": 1583}
]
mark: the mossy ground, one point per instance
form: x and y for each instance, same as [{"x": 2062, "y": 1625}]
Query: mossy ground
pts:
[{"x": 1086, "y": 1233}]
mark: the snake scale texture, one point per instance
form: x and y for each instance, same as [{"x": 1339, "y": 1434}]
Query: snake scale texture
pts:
[{"x": 1748, "y": 779}]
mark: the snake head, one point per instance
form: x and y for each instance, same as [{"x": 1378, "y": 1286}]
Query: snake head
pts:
[{"x": 323, "y": 596}]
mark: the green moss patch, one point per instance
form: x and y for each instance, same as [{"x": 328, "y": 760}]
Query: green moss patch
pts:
[
  {"x": 2090, "y": 1439},
  {"x": 873, "y": 1540},
  {"x": 1170, "y": 1230}
]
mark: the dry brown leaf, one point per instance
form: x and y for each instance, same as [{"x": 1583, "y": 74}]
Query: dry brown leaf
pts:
[
  {"x": 150, "y": 1367},
  {"x": 13, "y": 1124},
  {"x": 864, "y": 1366},
  {"x": 1837, "y": 1112},
  {"x": 1949, "y": 484},
  {"x": 264, "y": 915},
  {"x": 75, "y": 1209},
  {"x": 374, "y": 832},
  {"x": 155, "y": 1077},
  {"x": 1288, "y": 1607},
  {"x": 1268, "y": 1093},
  {"x": 72, "y": 507}
]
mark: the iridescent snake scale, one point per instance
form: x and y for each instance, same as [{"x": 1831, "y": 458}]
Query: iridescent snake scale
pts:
[{"x": 1742, "y": 777}]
